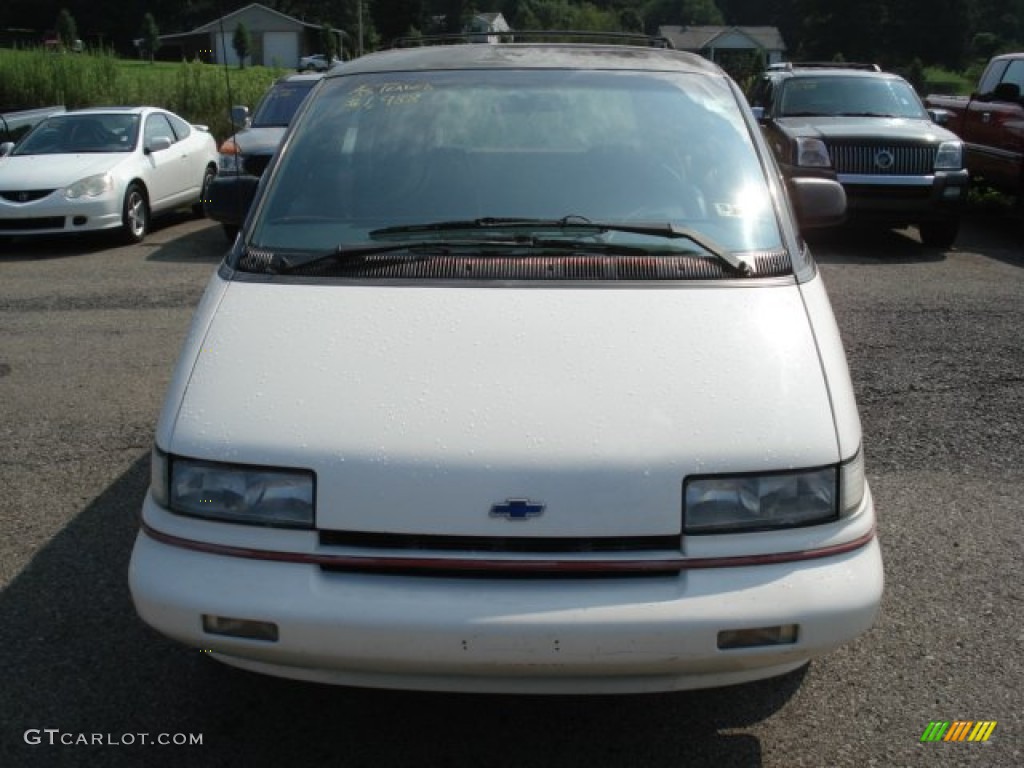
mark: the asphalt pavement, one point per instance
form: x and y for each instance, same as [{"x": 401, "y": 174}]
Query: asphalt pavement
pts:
[{"x": 88, "y": 336}]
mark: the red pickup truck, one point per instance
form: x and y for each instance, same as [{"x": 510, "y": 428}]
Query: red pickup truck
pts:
[{"x": 991, "y": 123}]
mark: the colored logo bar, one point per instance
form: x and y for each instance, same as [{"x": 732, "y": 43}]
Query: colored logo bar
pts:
[{"x": 958, "y": 730}]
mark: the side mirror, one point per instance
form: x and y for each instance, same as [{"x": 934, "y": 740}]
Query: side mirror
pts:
[
  {"x": 1007, "y": 92},
  {"x": 240, "y": 116},
  {"x": 5, "y": 148},
  {"x": 158, "y": 144},
  {"x": 758, "y": 113},
  {"x": 940, "y": 116},
  {"x": 818, "y": 202}
]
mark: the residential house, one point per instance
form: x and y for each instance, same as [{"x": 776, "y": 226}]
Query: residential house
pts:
[
  {"x": 721, "y": 43},
  {"x": 278, "y": 40}
]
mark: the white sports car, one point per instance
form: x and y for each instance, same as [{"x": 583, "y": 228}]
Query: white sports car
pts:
[{"x": 101, "y": 169}]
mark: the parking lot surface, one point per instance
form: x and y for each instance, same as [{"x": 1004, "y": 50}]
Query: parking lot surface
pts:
[{"x": 88, "y": 336}]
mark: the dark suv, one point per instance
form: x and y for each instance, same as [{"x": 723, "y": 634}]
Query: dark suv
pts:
[
  {"x": 869, "y": 130},
  {"x": 245, "y": 155}
]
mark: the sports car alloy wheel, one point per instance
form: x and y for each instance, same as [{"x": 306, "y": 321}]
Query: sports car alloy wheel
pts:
[{"x": 135, "y": 214}]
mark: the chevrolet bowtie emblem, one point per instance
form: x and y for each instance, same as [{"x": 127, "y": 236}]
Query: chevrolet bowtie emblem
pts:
[{"x": 517, "y": 509}]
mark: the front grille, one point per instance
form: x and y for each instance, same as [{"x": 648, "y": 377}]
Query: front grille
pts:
[
  {"x": 255, "y": 165},
  {"x": 499, "y": 544},
  {"x": 42, "y": 222},
  {"x": 874, "y": 159},
  {"x": 493, "y": 557},
  {"x": 24, "y": 195}
]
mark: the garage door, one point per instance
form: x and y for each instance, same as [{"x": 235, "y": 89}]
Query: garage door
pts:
[
  {"x": 225, "y": 51},
  {"x": 280, "y": 49}
]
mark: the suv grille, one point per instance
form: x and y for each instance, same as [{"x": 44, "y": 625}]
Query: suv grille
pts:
[
  {"x": 885, "y": 160},
  {"x": 255, "y": 165}
]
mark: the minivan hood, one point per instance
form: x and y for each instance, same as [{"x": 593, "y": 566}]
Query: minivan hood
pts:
[{"x": 419, "y": 407}]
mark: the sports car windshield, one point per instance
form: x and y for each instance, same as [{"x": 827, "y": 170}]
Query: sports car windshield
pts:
[
  {"x": 74, "y": 134},
  {"x": 425, "y": 148}
]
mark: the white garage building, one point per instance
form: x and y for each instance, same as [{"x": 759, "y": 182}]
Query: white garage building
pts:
[{"x": 277, "y": 40}]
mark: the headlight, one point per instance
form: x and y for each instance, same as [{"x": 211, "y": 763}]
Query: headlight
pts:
[
  {"x": 950, "y": 156},
  {"x": 812, "y": 153},
  {"x": 90, "y": 186},
  {"x": 229, "y": 165},
  {"x": 229, "y": 158},
  {"x": 240, "y": 494},
  {"x": 746, "y": 503}
]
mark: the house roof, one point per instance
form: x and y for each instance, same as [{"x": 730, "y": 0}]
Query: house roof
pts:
[
  {"x": 215, "y": 24},
  {"x": 703, "y": 38}
]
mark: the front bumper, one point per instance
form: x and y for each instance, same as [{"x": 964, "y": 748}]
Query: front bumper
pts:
[
  {"x": 55, "y": 214},
  {"x": 897, "y": 200},
  {"x": 906, "y": 199},
  {"x": 228, "y": 198},
  {"x": 513, "y": 635}
]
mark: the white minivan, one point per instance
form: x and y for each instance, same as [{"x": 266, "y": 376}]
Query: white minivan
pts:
[{"x": 520, "y": 378}]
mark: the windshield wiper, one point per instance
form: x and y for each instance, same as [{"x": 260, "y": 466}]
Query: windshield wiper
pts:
[{"x": 576, "y": 224}]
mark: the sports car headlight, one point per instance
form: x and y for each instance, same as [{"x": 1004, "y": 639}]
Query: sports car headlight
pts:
[
  {"x": 90, "y": 186},
  {"x": 239, "y": 494},
  {"x": 812, "y": 153},
  {"x": 745, "y": 503},
  {"x": 950, "y": 156}
]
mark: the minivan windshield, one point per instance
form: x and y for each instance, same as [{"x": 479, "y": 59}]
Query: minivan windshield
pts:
[{"x": 385, "y": 151}]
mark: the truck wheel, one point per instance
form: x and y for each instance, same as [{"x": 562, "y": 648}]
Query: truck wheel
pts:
[{"x": 939, "y": 234}]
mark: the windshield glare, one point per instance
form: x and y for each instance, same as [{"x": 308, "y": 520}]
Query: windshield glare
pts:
[
  {"x": 81, "y": 133},
  {"x": 806, "y": 96},
  {"x": 416, "y": 148}
]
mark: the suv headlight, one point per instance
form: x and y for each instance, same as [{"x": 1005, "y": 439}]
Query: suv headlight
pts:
[
  {"x": 950, "y": 156},
  {"x": 90, "y": 186},
  {"x": 812, "y": 153},
  {"x": 229, "y": 165},
  {"x": 233, "y": 493},
  {"x": 764, "y": 502}
]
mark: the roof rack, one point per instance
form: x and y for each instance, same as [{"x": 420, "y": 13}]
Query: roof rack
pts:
[
  {"x": 791, "y": 65},
  {"x": 535, "y": 36}
]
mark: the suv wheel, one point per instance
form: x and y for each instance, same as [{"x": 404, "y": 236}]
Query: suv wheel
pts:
[{"x": 939, "y": 234}]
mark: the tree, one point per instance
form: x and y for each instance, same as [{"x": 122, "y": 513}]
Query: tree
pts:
[
  {"x": 242, "y": 43},
  {"x": 67, "y": 30},
  {"x": 329, "y": 42},
  {"x": 150, "y": 36}
]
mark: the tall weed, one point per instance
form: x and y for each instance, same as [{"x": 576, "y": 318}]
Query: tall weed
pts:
[{"x": 196, "y": 91}]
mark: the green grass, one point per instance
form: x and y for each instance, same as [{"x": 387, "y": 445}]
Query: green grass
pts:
[
  {"x": 196, "y": 91},
  {"x": 938, "y": 80}
]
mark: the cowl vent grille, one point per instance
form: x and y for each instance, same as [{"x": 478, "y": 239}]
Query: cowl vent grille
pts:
[{"x": 531, "y": 268}]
